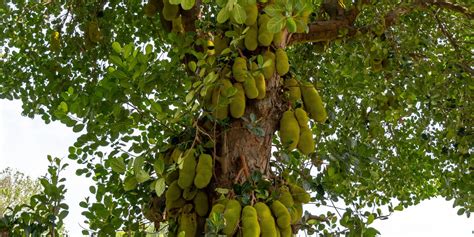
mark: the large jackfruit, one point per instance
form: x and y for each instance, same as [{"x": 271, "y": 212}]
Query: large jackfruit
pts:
[
  {"x": 265, "y": 219},
  {"x": 270, "y": 69},
  {"x": 250, "y": 226},
  {"x": 299, "y": 194},
  {"x": 173, "y": 192},
  {"x": 286, "y": 232},
  {"x": 188, "y": 224},
  {"x": 201, "y": 203},
  {"x": 170, "y": 11},
  {"x": 261, "y": 86},
  {"x": 306, "y": 141},
  {"x": 232, "y": 217},
  {"x": 296, "y": 213},
  {"x": 251, "y": 38},
  {"x": 294, "y": 90},
  {"x": 239, "y": 69},
  {"x": 282, "y": 65},
  {"x": 250, "y": 87},
  {"x": 302, "y": 118},
  {"x": 217, "y": 208},
  {"x": 188, "y": 170},
  {"x": 313, "y": 103},
  {"x": 285, "y": 197},
  {"x": 265, "y": 37},
  {"x": 282, "y": 215},
  {"x": 237, "y": 104},
  {"x": 289, "y": 130},
  {"x": 251, "y": 11},
  {"x": 203, "y": 171}
]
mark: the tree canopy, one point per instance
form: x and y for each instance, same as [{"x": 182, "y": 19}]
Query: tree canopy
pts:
[{"x": 159, "y": 88}]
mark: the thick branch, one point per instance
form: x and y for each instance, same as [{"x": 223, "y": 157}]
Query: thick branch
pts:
[{"x": 449, "y": 5}]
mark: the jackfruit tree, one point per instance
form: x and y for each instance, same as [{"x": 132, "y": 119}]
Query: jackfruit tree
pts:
[{"x": 250, "y": 118}]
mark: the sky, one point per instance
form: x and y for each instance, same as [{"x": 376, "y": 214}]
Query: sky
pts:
[{"x": 25, "y": 143}]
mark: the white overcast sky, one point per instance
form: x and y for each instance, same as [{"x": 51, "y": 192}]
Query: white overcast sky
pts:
[{"x": 25, "y": 143}]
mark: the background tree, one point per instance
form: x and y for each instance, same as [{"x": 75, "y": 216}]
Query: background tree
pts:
[
  {"x": 16, "y": 189},
  {"x": 152, "y": 81}
]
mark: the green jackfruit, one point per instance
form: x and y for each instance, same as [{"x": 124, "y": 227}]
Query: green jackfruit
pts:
[
  {"x": 201, "y": 203},
  {"x": 237, "y": 104},
  {"x": 251, "y": 38},
  {"x": 203, "y": 171},
  {"x": 282, "y": 65},
  {"x": 151, "y": 8},
  {"x": 299, "y": 194},
  {"x": 306, "y": 141},
  {"x": 285, "y": 197},
  {"x": 278, "y": 38},
  {"x": 251, "y": 11},
  {"x": 239, "y": 69},
  {"x": 174, "y": 191},
  {"x": 250, "y": 226},
  {"x": 189, "y": 193},
  {"x": 250, "y": 87},
  {"x": 174, "y": 204},
  {"x": 261, "y": 86},
  {"x": 265, "y": 219},
  {"x": 232, "y": 217},
  {"x": 170, "y": 11},
  {"x": 302, "y": 118},
  {"x": 177, "y": 25},
  {"x": 282, "y": 215},
  {"x": 188, "y": 224},
  {"x": 218, "y": 208},
  {"x": 188, "y": 170},
  {"x": 298, "y": 213},
  {"x": 294, "y": 90},
  {"x": 286, "y": 232},
  {"x": 289, "y": 130},
  {"x": 174, "y": 175},
  {"x": 313, "y": 103},
  {"x": 176, "y": 154},
  {"x": 270, "y": 69},
  {"x": 265, "y": 37}
]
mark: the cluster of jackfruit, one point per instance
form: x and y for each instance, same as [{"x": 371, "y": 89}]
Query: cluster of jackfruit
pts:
[
  {"x": 262, "y": 219},
  {"x": 294, "y": 128},
  {"x": 186, "y": 199},
  {"x": 169, "y": 12}
]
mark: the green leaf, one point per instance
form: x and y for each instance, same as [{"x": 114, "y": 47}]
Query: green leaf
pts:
[
  {"x": 116, "y": 47},
  {"x": 63, "y": 107},
  {"x": 276, "y": 24},
  {"x": 159, "y": 166},
  {"x": 223, "y": 15},
  {"x": 160, "y": 187},
  {"x": 142, "y": 176},
  {"x": 239, "y": 14},
  {"x": 118, "y": 165},
  {"x": 78, "y": 128},
  {"x": 370, "y": 219},
  {"x": 130, "y": 183}
]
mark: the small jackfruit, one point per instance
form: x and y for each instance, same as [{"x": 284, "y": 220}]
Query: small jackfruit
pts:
[
  {"x": 306, "y": 141},
  {"x": 265, "y": 37},
  {"x": 313, "y": 103},
  {"x": 250, "y": 87},
  {"x": 251, "y": 38},
  {"x": 237, "y": 104},
  {"x": 55, "y": 43},
  {"x": 269, "y": 70},
  {"x": 282, "y": 215},
  {"x": 174, "y": 204},
  {"x": 289, "y": 130},
  {"x": 278, "y": 38},
  {"x": 176, "y": 154},
  {"x": 201, "y": 203},
  {"x": 232, "y": 217},
  {"x": 177, "y": 25},
  {"x": 239, "y": 69},
  {"x": 188, "y": 225},
  {"x": 302, "y": 118},
  {"x": 189, "y": 193},
  {"x": 251, "y": 11},
  {"x": 250, "y": 226},
  {"x": 188, "y": 170},
  {"x": 265, "y": 219},
  {"x": 299, "y": 194},
  {"x": 294, "y": 90},
  {"x": 282, "y": 65},
  {"x": 174, "y": 191},
  {"x": 203, "y": 171},
  {"x": 220, "y": 111},
  {"x": 261, "y": 86},
  {"x": 285, "y": 197},
  {"x": 169, "y": 11},
  {"x": 174, "y": 175}
]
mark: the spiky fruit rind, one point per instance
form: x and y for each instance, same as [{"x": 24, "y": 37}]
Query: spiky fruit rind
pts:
[
  {"x": 201, "y": 203},
  {"x": 285, "y": 197},
  {"x": 289, "y": 130},
  {"x": 251, "y": 38},
  {"x": 239, "y": 69},
  {"x": 281, "y": 213},
  {"x": 250, "y": 226},
  {"x": 265, "y": 219},
  {"x": 203, "y": 171},
  {"x": 282, "y": 64},
  {"x": 169, "y": 11},
  {"x": 251, "y": 11},
  {"x": 188, "y": 170},
  {"x": 174, "y": 191},
  {"x": 261, "y": 86},
  {"x": 237, "y": 105},
  {"x": 232, "y": 217},
  {"x": 269, "y": 70},
  {"x": 313, "y": 103},
  {"x": 293, "y": 90},
  {"x": 299, "y": 194},
  {"x": 188, "y": 224},
  {"x": 286, "y": 232},
  {"x": 302, "y": 118},
  {"x": 265, "y": 37},
  {"x": 306, "y": 142},
  {"x": 250, "y": 88}
]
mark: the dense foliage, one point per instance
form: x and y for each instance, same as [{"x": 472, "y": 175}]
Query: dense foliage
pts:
[{"x": 395, "y": 78}]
